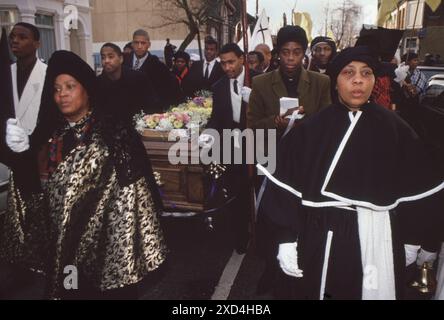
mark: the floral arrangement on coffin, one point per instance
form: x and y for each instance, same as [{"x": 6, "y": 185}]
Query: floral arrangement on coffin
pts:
[{"x": 192, "y": 114}]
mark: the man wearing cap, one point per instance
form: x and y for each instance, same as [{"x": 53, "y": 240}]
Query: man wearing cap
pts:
[
  {"x": 323, "y": 50},
  {"x": 289, "y": 80},
  {"x": 413, "y": 88},
  {"x": 181, "y": 65}
]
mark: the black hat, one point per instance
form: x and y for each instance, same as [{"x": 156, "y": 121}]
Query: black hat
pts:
[
  {"x": 383, "y": 42},
  {"x": 182, "y": 55},
  {"x": 361, "y": 53},
  {"x": 326, "y": 40},
  {"x": 50, "y": 117},
  {"x": 410, "y": 56},
  {"x": 67, "y": 62},
  {"x": 290, "y": 34}
]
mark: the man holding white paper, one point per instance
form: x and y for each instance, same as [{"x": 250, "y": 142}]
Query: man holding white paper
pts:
[
  {"x": 273, "y": 100},
  {"x": 291, "y": 80}
]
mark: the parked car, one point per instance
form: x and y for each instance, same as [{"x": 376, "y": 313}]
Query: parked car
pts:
[
  {"x": 431, "y": 71},
  {"x": 432, "y": 116},
  {"x": 435, "y": 88}
]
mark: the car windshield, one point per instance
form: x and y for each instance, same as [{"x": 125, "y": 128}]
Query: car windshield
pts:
[{"x": 431, "y": 72}]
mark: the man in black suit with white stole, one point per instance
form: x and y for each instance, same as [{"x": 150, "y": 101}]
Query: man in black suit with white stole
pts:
[
  {"x": 230, "y": 99},
  {"x": 204, "y": 74}
]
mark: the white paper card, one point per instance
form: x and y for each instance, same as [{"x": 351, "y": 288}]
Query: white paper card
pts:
[{"x": 288, "y": 103}]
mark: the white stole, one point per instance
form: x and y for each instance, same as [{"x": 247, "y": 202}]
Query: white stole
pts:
[
  {"x": 375, "y": 235},
  {"x": 28, "y": 106}
]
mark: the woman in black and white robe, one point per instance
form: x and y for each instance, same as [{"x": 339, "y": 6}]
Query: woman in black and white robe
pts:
[
  {"x": 83, "y": 194},
  {"x": 342, "y": 181}
]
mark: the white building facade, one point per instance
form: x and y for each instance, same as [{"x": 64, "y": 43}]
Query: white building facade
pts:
[{"x": 63, "y": 24}]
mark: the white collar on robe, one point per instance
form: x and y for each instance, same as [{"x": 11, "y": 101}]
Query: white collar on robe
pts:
[{"x": 28, "y": 106}]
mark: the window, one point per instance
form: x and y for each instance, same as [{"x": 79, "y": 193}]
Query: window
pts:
[
  {"x": 411, "y": 44},
  {"x": 45, "y": 24},
  {"x": 8, "y": 18}
]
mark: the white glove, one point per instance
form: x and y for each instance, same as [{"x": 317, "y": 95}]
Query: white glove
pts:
[
  {"x": 16, "y": 137},
  {"x": 426, "y": 257},
  {"x": 206, "y": 141},
  {"x": 411, "y": 253},
  {"x": 288, "y": 259},
  {"x": 245, "y": 92},
  {"x": 401, "y": 73}
]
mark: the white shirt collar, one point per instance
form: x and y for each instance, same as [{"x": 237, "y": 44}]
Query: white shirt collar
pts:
[
  {"x": 236, "y": 99},
  {"x": 141, "y": 60},
  {"x": 240, "y": 80},
  {"x": 210, "y": 66}
]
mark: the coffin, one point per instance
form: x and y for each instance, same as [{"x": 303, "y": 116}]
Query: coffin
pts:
[{"x": 183, "y": 186}]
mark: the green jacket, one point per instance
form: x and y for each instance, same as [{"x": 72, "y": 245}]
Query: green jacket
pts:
[{"x": 313, "y": 90}]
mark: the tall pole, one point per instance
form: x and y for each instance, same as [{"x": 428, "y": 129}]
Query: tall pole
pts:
[
  {"x": 257, "y": 8},
  {"x": 251, "y": 167},
  {"x": 414, "y": 26},
  {"x": 198, "y": 40},
  {"x": 245, "y": 36}
]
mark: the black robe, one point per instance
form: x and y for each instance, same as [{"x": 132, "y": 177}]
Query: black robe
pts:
[
  {"x": 166, "y": 87},
  {"x": 124, "y": 98},
  {"x": 382, "y": 165}
]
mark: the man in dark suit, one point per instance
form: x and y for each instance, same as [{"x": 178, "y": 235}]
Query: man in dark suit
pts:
[
  {"x": 267, "y": 65},
  {"x": 203, "y": 74},
  {"x": 123, "y": 92},
  {"x": 230, "y": 98},
  {"x": 165, "y": 84}
]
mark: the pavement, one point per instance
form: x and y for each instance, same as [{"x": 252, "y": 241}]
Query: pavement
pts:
[{"x": 202, "y": 265}]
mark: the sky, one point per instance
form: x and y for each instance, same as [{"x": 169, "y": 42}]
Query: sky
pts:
[{"x": 276, "y": 8}]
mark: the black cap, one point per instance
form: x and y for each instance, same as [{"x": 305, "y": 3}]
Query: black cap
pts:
[
  {"x": 182, "y": 55},
  {"x": 292, "y": 34},
  {"x": 343, "y": 58}
]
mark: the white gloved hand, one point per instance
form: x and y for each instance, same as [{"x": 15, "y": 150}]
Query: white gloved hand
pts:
[
  {"x": 288, "y": 259},
  {"x": 206, "y": 140},
  {"x": 16, "y": 137},
  {"x": 245, "y": 92},
  {"x": 411, "y": 253},
  {"x": 426, "y": 257},
  {"x": 401, "y": 73}
]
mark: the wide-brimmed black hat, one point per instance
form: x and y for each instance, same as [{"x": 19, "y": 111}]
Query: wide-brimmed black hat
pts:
[
  {"x": 383, "y": 42},
  {"x": 67, "y": 62}
]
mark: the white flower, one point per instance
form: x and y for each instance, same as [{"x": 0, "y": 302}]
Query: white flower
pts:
[{"x": 165, "y": 124}]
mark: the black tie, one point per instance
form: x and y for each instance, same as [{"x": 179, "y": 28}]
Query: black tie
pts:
[
  {"x": 236, "y": 90},
  {"x": 207, "y": 71}
]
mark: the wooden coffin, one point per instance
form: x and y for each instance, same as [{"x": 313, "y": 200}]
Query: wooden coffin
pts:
[{"x": 182, "y": 186}]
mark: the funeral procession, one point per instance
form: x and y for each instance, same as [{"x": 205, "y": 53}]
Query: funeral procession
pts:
[{"x": 217, "y": 151}]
